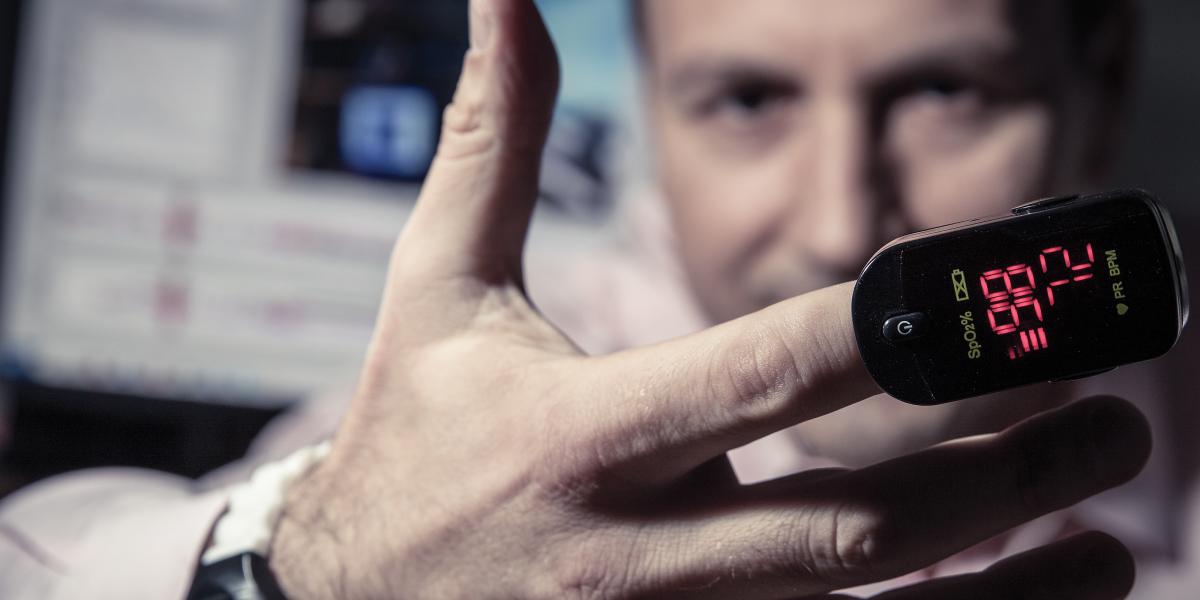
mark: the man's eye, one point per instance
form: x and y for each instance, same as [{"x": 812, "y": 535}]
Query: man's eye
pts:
[
  {"x": 945, "y": 88},
  {"x": 749, "y": 100},
  {"x": 942, "y": 99}
]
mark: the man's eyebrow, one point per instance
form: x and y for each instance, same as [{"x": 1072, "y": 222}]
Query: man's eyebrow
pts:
[
  {"x": 980, "y": 58},
  {"x": 703, "y": 73},
  {"x": 987, "y": 58}
]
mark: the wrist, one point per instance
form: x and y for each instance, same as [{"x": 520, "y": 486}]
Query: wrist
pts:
[
  {"x": 235, "y": 563},
  {"x": 303, "y": 553}
]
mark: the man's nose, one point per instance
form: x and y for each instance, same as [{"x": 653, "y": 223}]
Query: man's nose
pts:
[{"x": 842, "y": 208}]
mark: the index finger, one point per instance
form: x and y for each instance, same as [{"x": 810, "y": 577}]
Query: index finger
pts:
[{"x": 685, "y": 401}]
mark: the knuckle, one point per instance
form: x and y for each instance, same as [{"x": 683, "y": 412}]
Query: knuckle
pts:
[
  {"x": 593, "y": 570},
  {"x": 1030, "y": 479},
  {"x": 567, "y": 481},
  {"x": 576, "y": 456},
  {"x": 844, "y": 546},
  {"x": 758, "y": 375},
  {"x": 464, "y": 135},
  {"x": 1036, "y": 461},
  {"x": 466, "y": 110}
]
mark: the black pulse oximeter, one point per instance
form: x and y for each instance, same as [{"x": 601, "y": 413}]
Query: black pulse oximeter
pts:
[{"x": 1059, "y": 289}]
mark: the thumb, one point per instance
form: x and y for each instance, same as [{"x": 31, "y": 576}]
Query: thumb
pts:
[{"x": 474, "y": 210}]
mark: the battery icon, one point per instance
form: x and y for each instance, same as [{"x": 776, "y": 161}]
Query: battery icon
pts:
[{"x": 960, "y": 285}]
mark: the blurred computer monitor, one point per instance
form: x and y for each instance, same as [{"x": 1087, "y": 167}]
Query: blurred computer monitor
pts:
[{"x": 201, "y": 196}]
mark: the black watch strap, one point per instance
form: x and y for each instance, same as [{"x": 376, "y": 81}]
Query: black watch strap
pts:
[{"x": 242, "y": 577}]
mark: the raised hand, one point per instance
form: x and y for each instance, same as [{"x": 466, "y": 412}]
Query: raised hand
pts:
[{"x": 485, "y": 456}]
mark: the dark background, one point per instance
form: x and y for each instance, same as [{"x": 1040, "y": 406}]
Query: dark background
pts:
[{"x": 1162, "y": 150}]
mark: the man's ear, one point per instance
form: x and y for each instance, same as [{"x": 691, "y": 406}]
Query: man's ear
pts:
[{"x": 1108, "y": 56}]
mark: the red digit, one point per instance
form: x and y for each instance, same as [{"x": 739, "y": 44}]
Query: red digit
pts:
[
  {"x": 996, "y": 275},
  {"x": 1072, "y": 272},
  {"x": 1003, "y": 311},
  {"x": 1083, "y": 270},
  {"x": 1027, "y": 303},
  {"x": 1016, "y": 309}
]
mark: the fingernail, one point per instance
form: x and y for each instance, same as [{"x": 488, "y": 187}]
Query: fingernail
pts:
[{"x": 482, "y": 22}]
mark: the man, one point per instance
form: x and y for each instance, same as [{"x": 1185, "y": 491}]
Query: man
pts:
[
  {"x": 797, "y": 140},
  {"x": 484, "y": 455}
]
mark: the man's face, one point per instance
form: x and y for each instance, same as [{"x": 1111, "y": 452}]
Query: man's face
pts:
[{"x": 796, "y": 137}]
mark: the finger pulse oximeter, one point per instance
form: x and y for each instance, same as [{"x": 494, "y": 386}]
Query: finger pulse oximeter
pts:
[{"x": 1058, "y": 289}]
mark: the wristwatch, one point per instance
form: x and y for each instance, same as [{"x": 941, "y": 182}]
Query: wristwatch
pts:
[
  {"x": 234, "y": 565},
  {"x": 243, "y": 577}
]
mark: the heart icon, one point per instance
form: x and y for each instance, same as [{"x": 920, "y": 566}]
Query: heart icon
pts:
[{"x": 1122, "y": 309}]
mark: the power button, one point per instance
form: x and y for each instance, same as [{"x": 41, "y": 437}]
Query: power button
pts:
[{"x": 906, "y": 327}]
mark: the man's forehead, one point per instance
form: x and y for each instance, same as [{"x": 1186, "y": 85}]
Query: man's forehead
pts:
[{"x": 869, "y": 34}]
